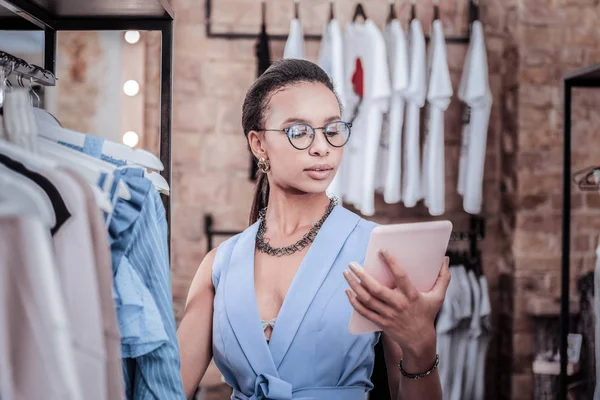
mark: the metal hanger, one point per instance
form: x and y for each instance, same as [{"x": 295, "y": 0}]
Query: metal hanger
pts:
[
  {"x": 331, "y": 10},
  {"x": 297, "y": 9},
  {"x": 413, "y": 9},
  {"x": 392, "y": 13},
  {"x": 436, "y": 10},
  {"x": 359, "y": 12},
  {"x": 263, "y": 6},
  {"x": 3, "y": 85},
  {"x": 588, "y": 178}
]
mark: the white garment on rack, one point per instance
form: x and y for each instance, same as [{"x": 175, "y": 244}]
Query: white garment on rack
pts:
[
  {"x": 36, "y": 347},
  {"x": 367, "y": 74},
  {"x": 447, "y": 321},
  {"x": 294, "y": 46},
  {"x": 460, "y": 338},
  {"x": 331, "y": 59},
  {"x": 438, "y": 98},
  {"x": 474, "y": 338},
  {"x": 19, "y": 121},
  {"x": 462, "y": 89},
  {"x": 416, "y": 95},
  {"x": 77, "y": 272},
  {"x": 27, "y": 196},
  {"x": 475, "y": 92},
  {"x": 485, "y": 311},
  {"x": 389, "y": 172}
]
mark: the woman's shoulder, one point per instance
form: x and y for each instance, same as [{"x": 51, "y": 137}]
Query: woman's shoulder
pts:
[
  {"x": 363, "y": 226},
  {"x": 222, "y": 254}
]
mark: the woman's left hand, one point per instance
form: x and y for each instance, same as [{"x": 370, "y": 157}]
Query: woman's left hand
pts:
[{"x": 404, "y": 314}]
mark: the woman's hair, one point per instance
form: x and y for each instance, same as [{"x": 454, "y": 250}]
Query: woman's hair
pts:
[{"x": 279, "y": 76}]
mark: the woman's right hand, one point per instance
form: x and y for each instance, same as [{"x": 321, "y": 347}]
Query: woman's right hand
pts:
[{"x": 195, "y": 331}]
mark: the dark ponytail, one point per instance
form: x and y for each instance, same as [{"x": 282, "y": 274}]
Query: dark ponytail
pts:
[{"x": 279, "y": 75}]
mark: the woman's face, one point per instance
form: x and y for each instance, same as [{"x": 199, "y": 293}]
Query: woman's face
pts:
[{"x": 305, "y": 171}]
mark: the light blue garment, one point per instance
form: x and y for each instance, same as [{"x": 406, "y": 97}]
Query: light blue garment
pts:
[
  {"x": 93, "y": 146},
  {"x": 142, "y": 291},
  {"x": 311, "y": 355}
]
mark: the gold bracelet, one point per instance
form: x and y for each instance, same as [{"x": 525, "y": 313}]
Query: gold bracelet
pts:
[{"x": 424, "y": 374}]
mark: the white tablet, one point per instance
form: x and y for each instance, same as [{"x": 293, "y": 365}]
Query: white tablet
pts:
[{"x": 418, "y": 247}]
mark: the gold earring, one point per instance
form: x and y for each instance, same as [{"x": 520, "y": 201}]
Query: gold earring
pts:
[{"x": 263, "y": 165}]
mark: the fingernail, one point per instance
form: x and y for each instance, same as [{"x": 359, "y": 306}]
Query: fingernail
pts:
[
  {"x": 353, "y": 267},
  {"x": 384, "y": 253},
  {"x": 447, "y": 260},
  {"x": 347, "y": 292},
  {"x": 346, "y": 273}
]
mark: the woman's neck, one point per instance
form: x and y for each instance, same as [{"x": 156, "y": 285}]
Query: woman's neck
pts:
[{"x": 289, "y": 213}]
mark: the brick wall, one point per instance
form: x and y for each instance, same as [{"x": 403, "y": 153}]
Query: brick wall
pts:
[{"x": 552, "y": 37}]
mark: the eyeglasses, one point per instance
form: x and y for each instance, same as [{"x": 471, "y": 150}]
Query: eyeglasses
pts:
[{"x": 302, "y": 135}]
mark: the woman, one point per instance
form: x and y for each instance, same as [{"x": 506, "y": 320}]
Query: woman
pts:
[{"x": 271, "y": 304}]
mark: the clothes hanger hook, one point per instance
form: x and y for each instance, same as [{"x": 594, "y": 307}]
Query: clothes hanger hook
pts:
[
  {"x": 2, "y": 85},
  {"x": 34, "y": 94}
]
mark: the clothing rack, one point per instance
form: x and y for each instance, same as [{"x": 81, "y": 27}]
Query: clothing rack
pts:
[
  {"x": 473, "y": 16},
  {"x": 588, "y": 77},
  {"x": 475, "y": 234},
  {"x": 99, "y": 15},
  {"x": 18, "y": 66}
]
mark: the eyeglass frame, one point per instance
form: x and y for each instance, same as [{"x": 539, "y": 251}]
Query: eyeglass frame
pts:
[{"x": 322, "y": 128}]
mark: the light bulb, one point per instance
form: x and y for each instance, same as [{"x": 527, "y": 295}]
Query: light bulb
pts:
[
  {"x": 131, "y": 87},
  {"x": 131, "y": 139},
  {"x": 132, "y": 37}
]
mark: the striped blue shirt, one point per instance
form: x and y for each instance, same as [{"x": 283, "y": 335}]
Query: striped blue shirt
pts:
[{"x": 138, "y": 236}]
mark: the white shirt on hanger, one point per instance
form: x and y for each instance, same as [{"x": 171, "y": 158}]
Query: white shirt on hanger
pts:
[
  {"x": 438, "y": 97},
  {"x": 77, "y": 271},
  {"x": 460, "y": 339},
  {"x": 36, "y": 346},
  {"x": 294, "y": 46},
  {"x": 389, "y": 172},
  {"x": 462, "y": 89},
  {"x": 484, "y": 313},
  {"x": 448, "y": 320},
  {"x": 477, "y": 95},
  {"x": 474, "y": 334},
  {"x": 416, "y": 95},
  {"x": 367, "y": 75},
  {"x": 331, "y": 59}
]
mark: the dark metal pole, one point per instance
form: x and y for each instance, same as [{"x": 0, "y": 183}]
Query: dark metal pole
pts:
[
  {"x": 166, "y": 111},
  {"x": 30, "y": 11},
  {"x": 50, "y": 50},
  {"x": 566, "y": 237}
]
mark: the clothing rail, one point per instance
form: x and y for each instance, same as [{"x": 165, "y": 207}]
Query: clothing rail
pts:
[
  {"x": 473, "y": 16},
  {"x": 15, "y": 65},
  {"x": 475, "y": 233}
]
